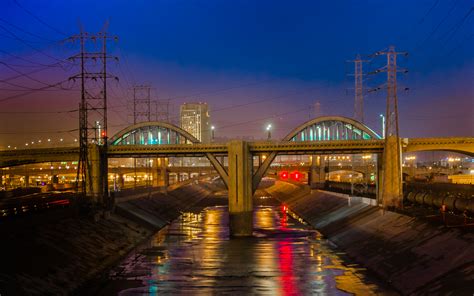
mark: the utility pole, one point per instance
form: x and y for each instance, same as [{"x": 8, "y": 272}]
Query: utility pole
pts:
[
  {"x": 358, "y": 88},
  {"x": 392, "y": 159},
  {"x": 93, "y": 106}
]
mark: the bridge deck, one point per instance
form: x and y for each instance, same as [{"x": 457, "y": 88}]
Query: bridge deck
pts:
[{"x": 24, "y": 156}]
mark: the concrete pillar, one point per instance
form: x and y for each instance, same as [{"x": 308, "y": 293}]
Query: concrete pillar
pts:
[
  {"x": 379, "y": 178},
  {"x": 392, "y": 190},
  {"x": 27, "y": 181},
  {"x": 313, "y": 171},
  {"x": 162, "y": 169},
  {"x": 240, "y": 189},
  {"x": 93, "y": 174},
  {"x": 154, "y": 173},
  {"x": 121, "y": 180}
]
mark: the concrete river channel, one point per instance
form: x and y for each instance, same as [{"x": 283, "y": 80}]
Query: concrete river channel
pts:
[{"x": 195, "y": 256}]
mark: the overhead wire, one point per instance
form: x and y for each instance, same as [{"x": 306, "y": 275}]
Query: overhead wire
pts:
[
  {"x": 31, "y": 46},
  {"x": 54, "y": 65},
  {"x": 24, "y": 75},
  {"x": 39, "y": 19},
  {"x": 25, "y": 31},
  {"x": 452, "y": 32},
  {"x": 428, "y": 12},
  {"x": 436, "y": 28},
  {"x": 32, "y": 91}
]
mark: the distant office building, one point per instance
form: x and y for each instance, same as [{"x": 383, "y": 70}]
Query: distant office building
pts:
[{"x": 194, "y": 119}]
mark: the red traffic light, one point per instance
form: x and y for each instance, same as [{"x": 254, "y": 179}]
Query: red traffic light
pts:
[
  {"x": 284, "y": 175},
  {"x": 295, "y": 175}
]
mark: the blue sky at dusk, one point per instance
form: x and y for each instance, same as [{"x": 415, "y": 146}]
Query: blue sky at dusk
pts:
[{"x": 274, "y": 58}]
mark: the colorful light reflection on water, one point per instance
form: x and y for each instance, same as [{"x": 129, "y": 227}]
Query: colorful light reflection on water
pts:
[{"x": 194, "y": 256}]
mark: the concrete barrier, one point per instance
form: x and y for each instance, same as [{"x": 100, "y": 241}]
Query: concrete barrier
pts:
[{"x": 414, "y": 256}]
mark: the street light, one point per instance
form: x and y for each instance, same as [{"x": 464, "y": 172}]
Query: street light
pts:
[
  {"x": 412, "y": 164},
  {"x": 212, "y": 132},
  {"x": 269, "y": 130},
  {"x": 383, "y": 125}
]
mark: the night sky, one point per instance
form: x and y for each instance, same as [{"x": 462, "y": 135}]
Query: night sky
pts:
[{"x": 253, "y": 62}]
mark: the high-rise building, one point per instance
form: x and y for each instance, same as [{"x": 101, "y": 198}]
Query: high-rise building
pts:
[{"x": 194, "y": 119}]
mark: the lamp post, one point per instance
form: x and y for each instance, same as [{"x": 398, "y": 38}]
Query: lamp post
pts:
[
  {"x": 212, "y": 132},
  {"x": 412, "y": 164},
  {"x": 269, "y": 132},
  {"x": 383, "y": 125}
]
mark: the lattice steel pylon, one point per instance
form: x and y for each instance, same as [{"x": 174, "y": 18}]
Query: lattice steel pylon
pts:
[
  {"x": 162, "y": 110},
  {"x": 317, "y": 109},
  {"x": 392, "y": 192},
  {"x": 359, "y": 96},
  {"x": 358, "y": 88},
  {"x": 92, "y": 108},
  {"x": 141, "y": 103}
]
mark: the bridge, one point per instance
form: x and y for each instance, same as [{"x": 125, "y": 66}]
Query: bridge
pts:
[{"x": 322, "y": 135}]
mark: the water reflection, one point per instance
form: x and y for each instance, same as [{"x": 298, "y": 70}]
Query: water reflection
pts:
[{"x": 195, "y": 256}]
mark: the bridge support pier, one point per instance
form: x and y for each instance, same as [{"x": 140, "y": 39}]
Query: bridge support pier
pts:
[
  {"x": 160, "y": 172},
  {"x": 96, "y": 174},
  {"x": 379, "y": 179},
  {"x": 392, "y": 188},
  {"x": 314, "y": 172},
  {"x": 27, "y": 181},
  {"x": 240, "y": 189}
]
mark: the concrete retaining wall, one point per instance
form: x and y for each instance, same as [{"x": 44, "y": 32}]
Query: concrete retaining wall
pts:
[
  {"x": 53, "y": 253},
  {"x": 413, "y": 255}
]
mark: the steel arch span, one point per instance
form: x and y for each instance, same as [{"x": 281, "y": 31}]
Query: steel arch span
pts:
[
  {"x": 324, "y": 128},
  {"x": 329, "y": 128},
  {"x": 161, "y": 133},
  {"x": 152, "y": 133}
]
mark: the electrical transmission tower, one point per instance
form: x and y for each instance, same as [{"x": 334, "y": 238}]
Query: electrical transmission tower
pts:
[
  {"x": 358, "y": 88},
  {"x": 141, "y": 103},
  {"x": 358, "y": 84},
  {"x": 162, "y": 110},
  {"x": 391, "y": 126},
  {"x": 392, "y": 160},
  {"x": 317, "y": 109},
  {"x": 93, "y": 106}
]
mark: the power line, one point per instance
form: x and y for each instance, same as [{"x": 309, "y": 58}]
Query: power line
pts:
[
  {"x": 32, "y": 91},
  {"x": 39, "y": 112},
  {"x": 428, "y": 12},
  {"x": 26, "y": 32},
  {"x": 456, "y": 27},
  {"x": 39, "y": 132},
  {"x": 31, "y": 46},
  {"x": 222, "y": 89},
  {"x": 38, "y": 19},
  {"x": 25, "y": 75},
  {"x": 54, "y": 65},
  {"x": 264, "y": 118},
  {"x": 438, "y": 25}
]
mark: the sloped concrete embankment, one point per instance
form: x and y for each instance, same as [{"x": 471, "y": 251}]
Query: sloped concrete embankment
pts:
[
  {"x": 53, "y": 253},
  {"x": 413, "y": 255}
]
